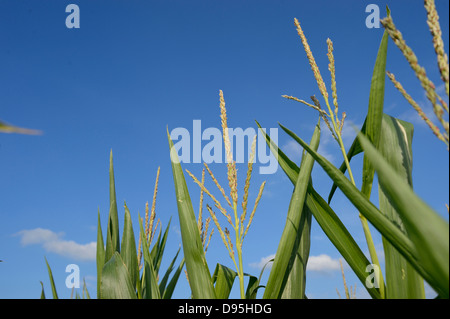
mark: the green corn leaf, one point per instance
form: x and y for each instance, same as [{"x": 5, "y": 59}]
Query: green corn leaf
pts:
[
  {"x": 373, "y": 130},
  {"x": 52, "y": 281},
  {"x": 173, "y": 282},
  {"x": 223, "y": 278},
  {"x": 100, "y": 255},
  {"x": 253, "y": 283},
  {"x": 150, "y": 289},
  {"x": 112, "y": 237},
  {"x": 340, "y": 238},
  {"x": 402, "y": 280},
  {"x": 116, "y": 282},
  {"x": 328, "y": 220},
  {"x": 161, "y": 246},
  {"x": 427, "y": 229},
  {"x": 196, "y": 266},
  {"x": 42, "y": 290},
  {"x": 296, "y": 222},
  {"x": 165, "y": 279},
  {"x": 375, "y": 112},
  {"x": 252, "y": 287},
  {"x": 296, "y": 282},
  {"x": 85, "y": 290},
  {"x": 388, "y": 229},
  {"x": 128, "y": 248},
  {"x": 336, "y": 231}
]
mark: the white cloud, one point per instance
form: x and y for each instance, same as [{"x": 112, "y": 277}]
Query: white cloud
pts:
[
  {"x": 322, "y": 263},
  {"x": 53, "y": 242},
  {"x": 262, "y": 262}
]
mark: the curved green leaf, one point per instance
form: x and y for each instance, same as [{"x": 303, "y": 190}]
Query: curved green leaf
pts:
[
  {"x": 427, "y": 229},
  {"x": 116, "y": 282},
  {"x": 223, "y": 278},
  {"x": 328, "y": 221}
]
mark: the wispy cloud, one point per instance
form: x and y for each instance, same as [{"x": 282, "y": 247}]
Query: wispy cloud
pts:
[
  {"x": 263, "y": 262},
  {"x": 321, "y": 264},
  {"x": 293, "y": 150},
  {"x": 54, "y": 243}
]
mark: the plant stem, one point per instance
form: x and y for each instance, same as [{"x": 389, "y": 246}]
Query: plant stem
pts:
[{"x": 240, "y": 268}]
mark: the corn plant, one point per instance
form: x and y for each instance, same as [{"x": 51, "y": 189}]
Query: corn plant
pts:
[
  {"x": 219, "y": 285},
  {"x": 415, "y": 237},
  {"x": 124, "y": 272}
]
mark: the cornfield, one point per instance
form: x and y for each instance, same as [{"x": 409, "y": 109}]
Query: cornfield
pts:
[{"x": 415, "y": 237}]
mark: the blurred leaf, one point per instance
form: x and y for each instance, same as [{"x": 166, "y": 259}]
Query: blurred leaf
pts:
[
  {"x": 42, "y": 291},
  {"x": 196, "y": 266},
  {"x": 100, "y": 256},
  {"x": 8, "y": 128},
  {"x": 52, "y": 281},
  {"x": 427, "y": 229},
  {"x": 116, "y": 282},
  {"x": 85, "y": 290}
]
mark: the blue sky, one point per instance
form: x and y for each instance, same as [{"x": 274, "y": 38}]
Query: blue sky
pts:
[{"x": 135, "y": 67}]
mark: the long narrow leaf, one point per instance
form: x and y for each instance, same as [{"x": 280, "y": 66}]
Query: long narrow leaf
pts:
[
  {"x": 328, "y": 221},
  {"x": 196, "y": 266},
  {"x": 128, "y": 248},
  {"x": 427, "y": 229},
  {"x": 150, "y": 289},
  {"x": 395, "y": 145},
  {"x": 112, "y": 237},
  {"x": 296, "y": 282},
  {"x": 287, "y": 250},
  {"x": 165, "y": 279},
  {"x": 42, "y": 290},
  {"x": 375, "y": 111},
  {"x": 52, "y": 281},
  {"x": 171, "y": 286},
  {"x": 100, "y": 255},
  {"x": 388, "y": 229}
]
